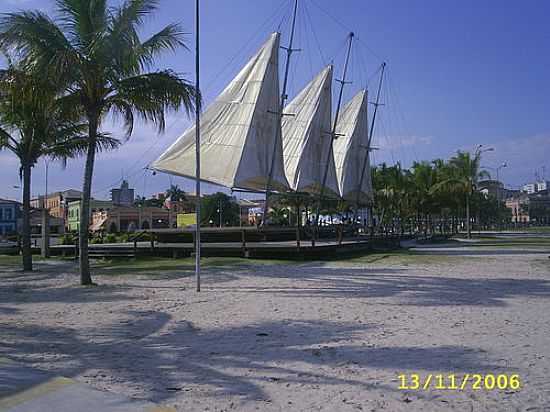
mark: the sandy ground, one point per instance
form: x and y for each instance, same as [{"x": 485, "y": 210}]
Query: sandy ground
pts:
[{"x": 329, "y": 336}]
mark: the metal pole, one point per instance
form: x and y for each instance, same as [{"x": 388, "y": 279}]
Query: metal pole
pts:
[
  {"x": 197, "y": 153},
  {"x": 289, "y": 51},
  {"x": 371, "y": 134},
  {"x": 333, "y": 132}
]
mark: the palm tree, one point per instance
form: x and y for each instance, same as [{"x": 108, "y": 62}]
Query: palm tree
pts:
[
  {"x": 464, "y": 176},
  {"x": 34, "y": 123},
  {"x": 175, "y": 194},
  {"x": 95, "y": 51}
]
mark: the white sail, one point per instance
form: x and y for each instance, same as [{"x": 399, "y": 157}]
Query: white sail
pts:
[
  {"x": 240, "y": 131},
  {"x": 306, "y": 130},
  {"x": 350, "y": 150}
]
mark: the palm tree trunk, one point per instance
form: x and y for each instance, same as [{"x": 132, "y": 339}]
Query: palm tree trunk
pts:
[
  {"x": 468, "y": 228},
  {"x": 26, "y": 250},
  {"x": 85, "y": 275}
]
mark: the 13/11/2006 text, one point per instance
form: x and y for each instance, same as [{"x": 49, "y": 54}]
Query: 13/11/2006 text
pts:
[{"x": 474, "y": 381}]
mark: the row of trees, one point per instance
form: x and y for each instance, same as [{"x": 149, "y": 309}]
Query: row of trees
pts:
[
  {"x": 65, "y": 76},
  {"x": 435, "y": 196},
  {"x": 430, "y": 196}
]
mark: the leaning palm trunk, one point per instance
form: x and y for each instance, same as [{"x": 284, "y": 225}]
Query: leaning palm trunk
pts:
[
  {"x": 85, "y": 275},
  {"x": 26, "y": 250}
]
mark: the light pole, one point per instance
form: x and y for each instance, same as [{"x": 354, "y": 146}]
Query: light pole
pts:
[
  {"x": 197, "y": 152},
  {"x": 220, "y": 211}
]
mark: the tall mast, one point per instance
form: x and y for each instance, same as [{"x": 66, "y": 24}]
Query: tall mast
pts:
[
  {"x": 369, "y": 141},
  {"x": 289, "y": 51},
  {"x": 333, "y": 132},
  {"x": 197, "y": 154}
]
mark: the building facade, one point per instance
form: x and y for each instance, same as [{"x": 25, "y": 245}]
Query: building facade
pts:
[
  {"x": 57, "y": 203},
  {"x": 10, "y": 212},
  {"x": 123, "y": 196},
  {"x": 73, "y": 215},
  {"x": 130, "y": 219},
  {"x": 540, "y": 186}
]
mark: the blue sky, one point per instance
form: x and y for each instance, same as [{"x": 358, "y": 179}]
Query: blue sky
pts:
[{"x": 459, "y": 74}]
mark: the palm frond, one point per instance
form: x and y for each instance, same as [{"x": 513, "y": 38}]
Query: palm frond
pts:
[
  {"x": 37, "y": 42},
  {"x": 169, "y": 38},
  {"x": 84, "y": 20},
  {"x": 151, "y": 95}
]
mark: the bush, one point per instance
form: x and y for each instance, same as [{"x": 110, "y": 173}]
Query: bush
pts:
[
  {"x": 110, "y": 238},
  {"x": 96, "y": 240},
  {"x": 123, "y": 238},
  {"x": 67, "y": 239}
]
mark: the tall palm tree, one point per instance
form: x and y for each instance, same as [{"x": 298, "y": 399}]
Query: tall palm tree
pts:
[
  {"x": 34, "y": 123},
  {"x": 464, "y": 176},
  {"x": 95, "y": 51}
]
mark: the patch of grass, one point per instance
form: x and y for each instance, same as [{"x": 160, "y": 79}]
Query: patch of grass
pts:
[
  {"x": 403, "y": 257},
  {"x": 154, "y": 265},
  {"x": 10, "y": 260}
]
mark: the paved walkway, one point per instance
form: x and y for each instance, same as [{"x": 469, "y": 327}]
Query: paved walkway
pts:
[{"x": 24, "y": 389}]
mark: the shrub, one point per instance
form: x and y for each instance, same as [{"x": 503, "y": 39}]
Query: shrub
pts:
[
  {"x": 110, "y": 238},
  {"x": 96, "y": 240},
  {"x": 67, "y": 239}
]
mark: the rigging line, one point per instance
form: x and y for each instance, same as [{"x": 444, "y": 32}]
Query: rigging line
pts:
[
  {"x": 393, "y": 132},
  {"x": 107, "y": 189},
  {"x": 340, "y": 49},
  {"x": 371, "y": 51},
  {"x": 399, "y": 116},
  {"x": 308, "y": 17},
  {"x": 306, "y": 42},
  {"x": 384, "y": 134},
  {"x": 347, "y": 29},
  {"x": 260, "y": 30}
]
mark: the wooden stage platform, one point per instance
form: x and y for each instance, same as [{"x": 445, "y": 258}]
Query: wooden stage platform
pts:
[{"x": 281, "y": 243}]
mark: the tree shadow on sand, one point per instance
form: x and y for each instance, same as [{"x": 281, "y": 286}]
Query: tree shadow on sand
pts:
[
  {"x": 148, "y": 350},
  {"x": 409, "y": 289}
]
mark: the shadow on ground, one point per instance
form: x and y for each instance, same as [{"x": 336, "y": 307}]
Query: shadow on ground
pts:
[
  {"x": 230, "y": 360},
  {"x": 409, "y": 289}
]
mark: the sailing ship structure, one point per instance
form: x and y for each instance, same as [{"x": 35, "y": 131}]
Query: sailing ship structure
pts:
[
  {"x": 238, "y": 131},
  {"x": 306, "y": 137},
  {"x": 248, "y": 144},
  {"x": 351, "y": 152}
]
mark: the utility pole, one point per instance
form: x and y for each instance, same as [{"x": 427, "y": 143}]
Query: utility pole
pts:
[
  {"x": 197, "y": 152},
  {"x": 369, "y": 141},
  {"x": 333, "y": 136},
  {"x": 289, "y": 51}
]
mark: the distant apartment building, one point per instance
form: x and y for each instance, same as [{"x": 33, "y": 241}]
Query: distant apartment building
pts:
[
  {"x": 10, "y": 211},
  {"x": 74, "y": 207},
  {"x": 56, "y": 224},
  {"x": 123, "y": 196},
  {"x": 57, "y": 203},
  {"x": 531, "y": 188}
]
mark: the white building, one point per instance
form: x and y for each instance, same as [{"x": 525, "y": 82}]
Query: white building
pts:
[{"x": 535, "y": 187}]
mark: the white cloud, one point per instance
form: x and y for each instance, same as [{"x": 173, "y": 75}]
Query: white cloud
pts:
[{"x": 398, "y": 142}]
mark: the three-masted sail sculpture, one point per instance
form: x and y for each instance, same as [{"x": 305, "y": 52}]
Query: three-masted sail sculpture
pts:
[
  {"x": 247, "y": 143},
  {"x": 306, "y": 137},
  {"x": 238, "y": 131},
  {"x": 351, "y": 151}
]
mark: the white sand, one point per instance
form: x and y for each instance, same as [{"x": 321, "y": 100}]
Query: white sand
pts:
[{"x": 309, "y": 336}]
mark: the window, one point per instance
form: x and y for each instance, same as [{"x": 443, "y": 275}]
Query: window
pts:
[
  {"x": 8, "y": 214},
  {"x": 1, "y": 214}
]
